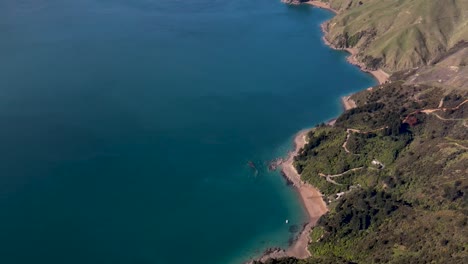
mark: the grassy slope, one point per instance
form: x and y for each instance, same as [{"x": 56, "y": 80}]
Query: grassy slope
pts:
[
  {"x": 402, "y": 33},
  {"x": 450, "y": 71}
]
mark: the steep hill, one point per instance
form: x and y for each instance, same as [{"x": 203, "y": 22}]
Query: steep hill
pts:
[{"x": 398, "y": 34}]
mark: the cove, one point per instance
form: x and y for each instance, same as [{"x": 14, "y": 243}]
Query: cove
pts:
[{"x": 127, "y": 126}]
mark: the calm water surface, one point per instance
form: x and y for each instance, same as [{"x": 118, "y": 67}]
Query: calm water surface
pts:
[{"x": 126, "y": 126}]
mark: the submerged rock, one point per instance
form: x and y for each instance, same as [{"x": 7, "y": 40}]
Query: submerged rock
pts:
[
  {"x": 252, "y": 165},
  {"x": 274, "y": 164},
  {"x": 294, "y": 229}
]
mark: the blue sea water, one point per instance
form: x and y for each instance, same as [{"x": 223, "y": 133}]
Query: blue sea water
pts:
[{"x": 126, "y": 126}]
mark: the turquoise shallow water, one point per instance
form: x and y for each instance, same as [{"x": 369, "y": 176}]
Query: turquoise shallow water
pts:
[{"x": 126, "y": 126}]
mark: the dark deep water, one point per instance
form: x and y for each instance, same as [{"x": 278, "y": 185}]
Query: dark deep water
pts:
[{"x": 126, "y": 126}]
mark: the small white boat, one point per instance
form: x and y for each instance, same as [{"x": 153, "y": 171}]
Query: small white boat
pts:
[{"x": 287, "y": 221}]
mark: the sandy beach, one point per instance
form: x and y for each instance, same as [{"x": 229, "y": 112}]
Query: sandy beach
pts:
[
  {"x": 310, "y": 196},
  {"x": 311, "y": 199}
]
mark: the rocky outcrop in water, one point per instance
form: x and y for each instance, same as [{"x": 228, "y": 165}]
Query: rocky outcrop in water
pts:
[{"x": 293, "y": 2}]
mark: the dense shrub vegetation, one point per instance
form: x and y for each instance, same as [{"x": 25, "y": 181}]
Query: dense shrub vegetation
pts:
[
  {"x": 415, "y": 208},
  {"x": 407, "y": 201}
]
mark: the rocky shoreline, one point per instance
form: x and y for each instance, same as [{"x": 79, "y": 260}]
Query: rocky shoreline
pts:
[
  {"x": 380, "y": 75},
  {"x": 299, "y": 248},
  {"x": 310, "y": 197}
]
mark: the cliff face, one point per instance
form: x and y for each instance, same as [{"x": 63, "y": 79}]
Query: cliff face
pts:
[{"x": 398, "y": 35}]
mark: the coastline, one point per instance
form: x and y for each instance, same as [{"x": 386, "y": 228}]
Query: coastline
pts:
[
  {"x": 347, "y": 102},
  {"x": 380, "y": 75},
  {"x": 311, "y": 197}
]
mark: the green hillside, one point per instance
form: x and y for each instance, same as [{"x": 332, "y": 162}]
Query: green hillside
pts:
[
  {"x": 399, "y": 34},
  {"x": 394, "y": 169}
]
